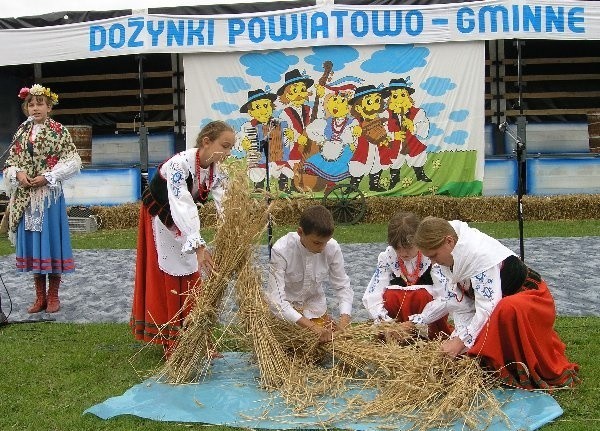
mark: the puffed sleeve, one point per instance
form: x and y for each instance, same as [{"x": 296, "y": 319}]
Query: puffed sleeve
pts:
[
  {"x": 438, "y": 307},
  {"x": 340, "y": 282},
  {"x": 69, "y": 162},
  {"x": 183, "y": 209},
  {"x": 488, "y": 292},
  {"x": 218, "y": 190},
  {"x": 373, "y": 296},
  {"x": 11, "y": 164}
]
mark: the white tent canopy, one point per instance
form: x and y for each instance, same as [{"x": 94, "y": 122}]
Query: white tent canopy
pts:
[
  {"x": 12, "y": 9},
  {"x": 42, "y": 31}
]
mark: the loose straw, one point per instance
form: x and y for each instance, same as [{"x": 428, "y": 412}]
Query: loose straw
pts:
[{"x": 411, "y": 379}]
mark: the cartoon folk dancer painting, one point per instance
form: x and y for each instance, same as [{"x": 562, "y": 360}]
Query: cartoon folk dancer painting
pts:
[
  {"x": 294, "y": 95},
  {"x": 366, "y": 105},
  {"x": 264, "y": 132},
  {"x": 333, "y": 134},
  {"x": 406, "y": 124}
]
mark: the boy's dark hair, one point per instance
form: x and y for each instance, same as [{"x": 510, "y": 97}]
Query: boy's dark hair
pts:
[
  {"x": 402, "y": 228},
  {"x": 318, "y": 220}
]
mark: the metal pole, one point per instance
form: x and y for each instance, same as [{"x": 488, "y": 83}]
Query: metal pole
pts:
[
  {"x": 265, "y": 147},
  {"x": 143, "y": 131},
  {"x": 521, "y": 151}
]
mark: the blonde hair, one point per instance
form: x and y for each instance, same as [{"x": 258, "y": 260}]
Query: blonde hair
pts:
[
  {"x": 401, "y": 229},
  {"x": 432, "y": 231},
  {"x": 212, "y": 131}
]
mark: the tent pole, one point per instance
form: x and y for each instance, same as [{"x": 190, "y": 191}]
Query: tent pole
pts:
[
  {"x": 521, "y": 149},
  {"x": 143, "y": 131}
]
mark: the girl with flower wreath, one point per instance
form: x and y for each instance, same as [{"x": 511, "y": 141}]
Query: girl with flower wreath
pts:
[
  {"x": 170, "y": 249},
  {"x": 401, "y": 285},
  {"x": 41, "y": 156}
]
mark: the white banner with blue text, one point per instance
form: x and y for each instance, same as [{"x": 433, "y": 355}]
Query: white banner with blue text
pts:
[{"x": 324, "y": 24}]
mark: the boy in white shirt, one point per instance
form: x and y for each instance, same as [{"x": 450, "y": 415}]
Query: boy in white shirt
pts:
[{"x": 301, "y": 263}]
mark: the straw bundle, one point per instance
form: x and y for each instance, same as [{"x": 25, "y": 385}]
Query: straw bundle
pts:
[
  {"x": 273, "y": 363},
  {"x": 413, "y": 380},
  {"x": 286, "y": 366},
  {"x": 244, "y": 220},
  {"x": 380, "y": 209}
]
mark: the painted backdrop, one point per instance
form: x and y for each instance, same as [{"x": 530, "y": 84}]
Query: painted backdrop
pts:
[{"x": 388, "y": 119}]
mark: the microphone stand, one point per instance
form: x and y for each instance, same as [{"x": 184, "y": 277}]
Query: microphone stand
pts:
[
  {"x": 264, "y": 143},
  {"x": 3, "y": 318},
  {"x": 519, "y": 150},
  {"x": 28, "y": 120}
]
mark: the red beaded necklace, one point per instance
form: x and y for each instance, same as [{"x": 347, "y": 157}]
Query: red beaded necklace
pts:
[
  {"x": 203, "y": 190},
  {"x": 412, "y": 278}
]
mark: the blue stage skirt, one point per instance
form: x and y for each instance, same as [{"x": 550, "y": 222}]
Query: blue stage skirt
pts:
[{"x": 48, "y": 251}]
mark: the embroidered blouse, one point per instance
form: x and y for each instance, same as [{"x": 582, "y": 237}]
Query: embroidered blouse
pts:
[
  {"x": 297, "y": 279},
  {"x": 472, "y": 289},
  {"x": 176, "y": 246},
  {"x": 388, "y": 275}
]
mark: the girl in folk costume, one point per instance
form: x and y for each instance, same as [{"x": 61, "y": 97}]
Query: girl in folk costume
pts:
[
  {"x": 170, "y": 250},
  {"x": 503, "y": 311},
  {"x": 42, "y": 155},
  {"x": 401, "y": 285}
]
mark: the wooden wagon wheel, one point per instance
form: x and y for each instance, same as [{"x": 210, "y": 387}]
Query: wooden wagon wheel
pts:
[{"x": 346, "y": 203}]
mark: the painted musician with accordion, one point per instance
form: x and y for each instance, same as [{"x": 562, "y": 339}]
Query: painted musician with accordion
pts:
[{"x": 261, "y": 134}]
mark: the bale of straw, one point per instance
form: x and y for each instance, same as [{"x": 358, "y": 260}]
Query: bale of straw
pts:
[{"x": 286, "y": 210}]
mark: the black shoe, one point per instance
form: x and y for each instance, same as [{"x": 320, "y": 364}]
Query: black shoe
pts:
[
  {"x": 394, "y": 177},
  {"x": 355, "y": 182},
  {"x": 374, "y": 185},
  {"x": 420, "y": 173}
]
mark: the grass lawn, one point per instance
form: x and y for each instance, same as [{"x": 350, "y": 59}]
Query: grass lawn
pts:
[{"x": 51, "y": 372}]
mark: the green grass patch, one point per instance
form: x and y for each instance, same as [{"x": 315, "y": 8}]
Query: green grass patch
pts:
[{"x": 52, "y": 372}]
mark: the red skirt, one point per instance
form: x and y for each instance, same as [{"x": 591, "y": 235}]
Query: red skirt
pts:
[
  {"x": 159, "y": 299},
  {"x": 520, "y": 343},
  {"x": 401, "y": 303}
]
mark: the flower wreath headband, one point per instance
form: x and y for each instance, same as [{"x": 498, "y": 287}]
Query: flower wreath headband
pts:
[{"x": 38, "y": 90}]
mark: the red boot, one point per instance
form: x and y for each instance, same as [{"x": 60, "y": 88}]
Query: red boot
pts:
[
  {"x": 39, "y": 280},
  {"x": 53, "y": 285}
]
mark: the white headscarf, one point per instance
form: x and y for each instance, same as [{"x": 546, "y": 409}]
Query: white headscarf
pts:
[{"x": 475, "y": 251}]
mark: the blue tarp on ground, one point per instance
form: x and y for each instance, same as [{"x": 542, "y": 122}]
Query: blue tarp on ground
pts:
[{"x": 230, "y": 396}]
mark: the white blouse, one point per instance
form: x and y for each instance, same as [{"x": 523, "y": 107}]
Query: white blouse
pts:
[
  {"x": 388, "y": 267},
  {"x": 176, "y": 247},
  {"x": 297, "y": 279},
  {"x": 477, "y": 262}
]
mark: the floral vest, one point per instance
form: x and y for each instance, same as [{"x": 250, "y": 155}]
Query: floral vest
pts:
[{"x": 52, "y": 143}]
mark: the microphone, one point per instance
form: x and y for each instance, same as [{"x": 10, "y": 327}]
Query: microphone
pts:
[
  {"x": 502, "y": 126},
  {"x": 28, "y": 120}
]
